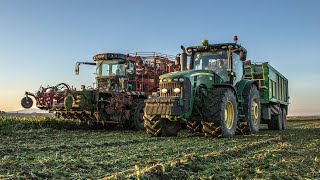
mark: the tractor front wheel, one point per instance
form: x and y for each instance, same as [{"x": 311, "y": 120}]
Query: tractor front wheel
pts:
[{"x": 158, "y": 127}]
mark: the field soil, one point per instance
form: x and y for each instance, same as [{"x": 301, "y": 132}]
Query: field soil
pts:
[{"x": 59, "y": 149}]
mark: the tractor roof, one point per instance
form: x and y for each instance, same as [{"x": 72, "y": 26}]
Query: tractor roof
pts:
[{"x": 217, "y": 46}]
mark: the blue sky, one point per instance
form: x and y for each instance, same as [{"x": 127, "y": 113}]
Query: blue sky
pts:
[{"x": 40, "y": 41}]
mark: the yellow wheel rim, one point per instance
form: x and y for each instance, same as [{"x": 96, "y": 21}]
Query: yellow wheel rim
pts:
[
  {"x": 255, "y": 111},
  {"x": 229, "y": 115}
]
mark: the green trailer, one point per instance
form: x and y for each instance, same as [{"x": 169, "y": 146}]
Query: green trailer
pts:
[
  {"x": 274, "y": 97},
  {"x": 218, "y": 92}
]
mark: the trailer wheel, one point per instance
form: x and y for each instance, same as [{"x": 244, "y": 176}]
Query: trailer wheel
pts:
[
  {"x": 194, "y": 126},
  {"x": 284, "y": 119},
  {"x": 220, "y": 113},
  {"x": 276, "y": 122},
  {"x": 136, "y": 114},
  {"x": 158, "y": 127},
  {"x": 252, "y": 110},
  {"x": 26, "y": 102}
]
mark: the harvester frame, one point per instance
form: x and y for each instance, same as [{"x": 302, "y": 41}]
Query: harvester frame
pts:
[{"x": 123, "y": 81}]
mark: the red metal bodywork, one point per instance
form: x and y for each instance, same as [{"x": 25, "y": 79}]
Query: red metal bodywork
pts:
[{"x": 143, "y": 80}]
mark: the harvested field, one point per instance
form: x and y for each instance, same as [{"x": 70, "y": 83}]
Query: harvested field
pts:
[{"x": 50, "y": 148}]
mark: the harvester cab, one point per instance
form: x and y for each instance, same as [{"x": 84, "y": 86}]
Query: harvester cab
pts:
[{"x": 111, "y": 71}]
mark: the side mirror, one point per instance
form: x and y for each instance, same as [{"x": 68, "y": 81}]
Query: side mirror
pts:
[
  {"x": 177, "y": 61},
  {"x": 77, "y": 69},
  {"x": 243, "y": 56}
]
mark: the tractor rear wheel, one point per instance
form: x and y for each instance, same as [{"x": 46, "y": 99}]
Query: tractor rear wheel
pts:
[
  {"x": 158, "y": 127},
  {"x": 220, "y": 113},
  {"x": 136, "y": 114},
  {"x": 252, "y": 110},
  {"x": 276, "y": 122}
]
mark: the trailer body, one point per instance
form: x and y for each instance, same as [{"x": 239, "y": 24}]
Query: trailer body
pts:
[{"x": 273, "y": 86}]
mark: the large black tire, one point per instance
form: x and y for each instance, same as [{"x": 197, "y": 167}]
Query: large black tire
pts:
[
  {"x": 252, "y": 110},
  {"x": 276, "y": 122},
  {"x": 26, "y": 102},
  {"x": 136, "y": 121},
  {"x": 158, "y": 127},
  {"x": 220, "y": 113},
  {"x": 284, "y": 119},
  {"x": 198, "y": 100},
  {"x": 195, "y": 125}
]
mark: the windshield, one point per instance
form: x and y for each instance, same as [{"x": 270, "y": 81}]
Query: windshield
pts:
[
  {"x": 111, "y": 68},
  {"x": 214, "y": 61}
]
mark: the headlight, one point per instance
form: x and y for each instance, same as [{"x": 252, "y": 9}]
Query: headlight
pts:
[
  {"x": 181, "y": 79},
  {"x": 176, "y": 90},
  {"x": 164, "y": 80},
  {"x": 175, "y": 79},
  {"x": 164, "y": 91}
]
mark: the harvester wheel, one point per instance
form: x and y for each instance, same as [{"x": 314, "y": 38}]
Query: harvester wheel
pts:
[
  {"x": 158, "y": 127},
  {"x": 136, "y": 114},
  {"x": 284, "y": 119},
  {"x": 252, "y": 109},
  {"x": 26, "y": 102},
  {"x": 276, "y": 122},
  {"x": 194, "y": 126},
  {"x": 220, "y": 113}
]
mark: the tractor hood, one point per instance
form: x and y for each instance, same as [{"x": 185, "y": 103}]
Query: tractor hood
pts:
[{"x": 188, "y": 73}]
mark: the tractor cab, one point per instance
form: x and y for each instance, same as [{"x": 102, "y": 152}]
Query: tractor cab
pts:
[{"x": 224, "y": 60}]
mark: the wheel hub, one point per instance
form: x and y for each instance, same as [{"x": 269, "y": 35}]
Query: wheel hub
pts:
[
  {"x": 229, "y": 115},
  {"x": 255, "y": 111}
]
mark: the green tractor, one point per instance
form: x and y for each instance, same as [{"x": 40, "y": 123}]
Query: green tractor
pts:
[{"x": 217, "y": 92}]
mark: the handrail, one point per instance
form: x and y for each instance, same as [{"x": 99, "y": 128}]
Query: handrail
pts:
[{"x": 152, "y": 55}]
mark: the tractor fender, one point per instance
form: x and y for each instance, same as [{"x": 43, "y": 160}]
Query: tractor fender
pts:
[
  {"x": 197, "y": 89},
  {"x": 247, "y": 87},
  {"x": 228, "y": 86}
]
